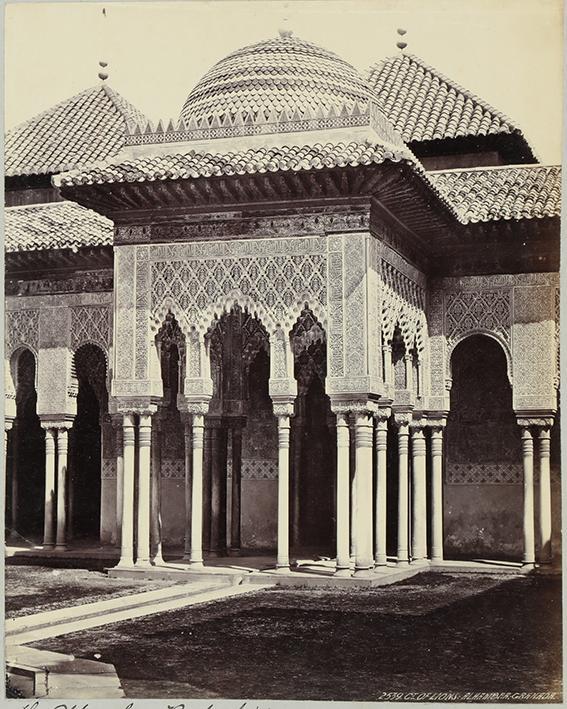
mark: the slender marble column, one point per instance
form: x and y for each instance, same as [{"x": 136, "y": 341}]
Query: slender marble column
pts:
[
  {"x": 380, "y": 512},
  {"x": 283, "y": 492},
  {"x": 144, "y": 488},
  {"x": 61, "y": 535},
  {"x": 352, "y": 482},
  {"x": 529, "y": 532},
  {"x": 197, "y": 492},
  {"x": 15, "y": 445},
  {"x": 48, "y": 520},
  {"x": 118, "y": 438},
  {"x": 217, "y": 483},
  {"x": 188, "y": 485},
  {"x": 296, "y": 447},
  {"x": 363, "y": 475},
  {"x": 343, "y": 496},
  {"x": 235, "y": 501},
  {"x": 419, "y": 496},
  {"x": 545, "y": 495},
  {"x": 403, "y": 434},
  {"x": 156, "y": 555},
  {"x": 437, "y": 493},
  {"x": 127, "y": 535}
]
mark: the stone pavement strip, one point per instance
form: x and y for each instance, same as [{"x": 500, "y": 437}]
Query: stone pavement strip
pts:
[{"x": 27, "y": 629}]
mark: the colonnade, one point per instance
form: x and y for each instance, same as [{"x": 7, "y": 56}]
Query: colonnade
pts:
[{"x": 361, "y": 517}]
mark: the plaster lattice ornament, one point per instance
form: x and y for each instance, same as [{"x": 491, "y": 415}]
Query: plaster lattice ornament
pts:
[
  {"x": 556, "y": 381},
  {"x": 108, "y": 469},
  {"x": 90, "y": 323},
  {"x": 172, "y": 468},
  {"x": 469, "y": 311},
  {"x": 22, "y": 329},
  {"x": 403, "y": 306},
  {"x": 270, "y": 286}
]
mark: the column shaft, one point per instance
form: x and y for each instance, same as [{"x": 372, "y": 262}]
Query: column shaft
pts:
[
  {"x": 545, "y": 495},
  {"x": 14, "y": 496},
  {"x": 364, "y": 560},
  {"x": 197, "y": 491},
  {"x": 419, "y": 496},
  {"x": 403, "y": 556},
  {"x": 188, "y": 485},
  {"x": 48, "y": 520},
  {"x": 528, "y": 460},
  {"x": 155, "y": 526},
  {"x": 283, "y": 492},
  {"x": 144, "y": 490},
  {"x": 61, "y": 535},
  {"x": 380, "y": 512},
  {"x": 343, "y": 496},
  {"x": 127, "y": 535},
  {"x": 437, "y": 494},
  {"x": 118, "y": 435}
]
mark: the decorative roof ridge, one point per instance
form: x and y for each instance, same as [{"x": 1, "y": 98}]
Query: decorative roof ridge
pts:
[
  {"x": 450, "y": 82},
  {"x": 126, "y": 109},
  {"x": 494, "y": 168},
  {"x": 22, "y": 207},
  {"x": 246, "y": 122}
]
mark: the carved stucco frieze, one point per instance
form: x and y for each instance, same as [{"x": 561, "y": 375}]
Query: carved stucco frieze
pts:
[
  {"x": 90, "y": 323},
  {"x": 22, "y": 329}
]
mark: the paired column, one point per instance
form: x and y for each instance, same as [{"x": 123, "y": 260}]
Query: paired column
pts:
[
  {"x": 283, "y": 413},
  {"x": 343, "y": 495},
  {"x": 437, "y": 491},
  {"x": 419, "y": 494},
  {"x": 380, "y": 511},
  {"x": 363, "y": 433},
  {"x": 62, "y": 464},
  {"x": 402, "y": 422}
]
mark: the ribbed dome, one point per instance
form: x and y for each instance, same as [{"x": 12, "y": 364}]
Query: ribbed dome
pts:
[{"x": 281, "y": 73}]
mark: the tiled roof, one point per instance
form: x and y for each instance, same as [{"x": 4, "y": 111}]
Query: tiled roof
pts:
[
  {"x": 56, "y": 225},
  {"x": 425, "y": 105},
  {"x": 193, "y": 165},
  {"x": 487, "y": 194},
  {"x": 85, "y": 128},
  {"x": 283, "y": 73}
]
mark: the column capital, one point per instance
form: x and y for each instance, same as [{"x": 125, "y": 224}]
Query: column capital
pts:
[
  {"x": 8, "y": 422},
  {"x": 355, "y": 406},
  {"x": 532, "y": 421},
  {"x": 283, "y": 409},
  {"x": 402, "y": 418},
  {"x": 57, "y": 425},
  {"x": 382, "y": 415},
  {"x": 418, "y": 422},
  {"x": 142, "y": 405},
  {"x": 194, "y": 405}
]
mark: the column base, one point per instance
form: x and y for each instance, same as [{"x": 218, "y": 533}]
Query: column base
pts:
[
  {"x": 48, "y": 545},
  {"x": 196, "y": 564},
  {"x": 528, "y": 565},
  {"x": 124, "y": 564},
  {"x": 60, "y": 547},
  {"x": 437, "y": 559},
  {"x": 282, "y": 569},
  {"x": 380, "y": 560},
  {"x": 142, "y": 564},
  {"x": 157, "y": 560},
  {"x": 402, "y": 562},
  {"x": 343, "y": 571},
  {"x": 420, "y": 562},
  {"x": 234, "y": 551},
  {"x": 365, "y": 573}
]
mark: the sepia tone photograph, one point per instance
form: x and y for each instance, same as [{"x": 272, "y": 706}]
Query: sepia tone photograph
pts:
[{"x": 282, "y": 352}]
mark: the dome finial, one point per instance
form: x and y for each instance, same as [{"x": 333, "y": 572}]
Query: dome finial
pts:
[
  {"x": 400, "y": 44},
  {"x": 102, "y": 74},
  {"x": 285, "y": 30}
]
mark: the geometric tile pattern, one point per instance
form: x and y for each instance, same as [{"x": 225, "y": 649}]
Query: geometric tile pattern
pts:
[
  {"x": 483, "y": 473},
  {"x": 258, "y": 469}
]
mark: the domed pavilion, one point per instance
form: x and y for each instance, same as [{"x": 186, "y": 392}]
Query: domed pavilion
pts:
[{"x": 313, "y": 317}]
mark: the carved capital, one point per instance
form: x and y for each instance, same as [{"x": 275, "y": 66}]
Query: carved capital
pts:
[
  {"x": 542, "y": 422},
  {"x": 283, "y": 409},
  {"x": 64, "y": 423},
  {"x": 382, "y": 414}
]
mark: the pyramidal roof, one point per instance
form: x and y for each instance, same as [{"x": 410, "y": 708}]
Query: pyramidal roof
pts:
[
  {"x": 87, "y": 127},
  {"x": 423, "y": 104}
]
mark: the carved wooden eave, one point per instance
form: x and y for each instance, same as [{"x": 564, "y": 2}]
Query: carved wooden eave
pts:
[
  {"x": 22, "y": 264},
  {"x": 395, "y": 186}
]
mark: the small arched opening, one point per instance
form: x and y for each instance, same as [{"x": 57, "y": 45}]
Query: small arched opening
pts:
[
  {"x": 85, "y": 444},
  {"x": 483, "y": 465},
  {"x": 26, "y": 481}
]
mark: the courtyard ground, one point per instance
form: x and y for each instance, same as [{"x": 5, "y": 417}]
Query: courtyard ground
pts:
[
  {"x": 431, "y": 633},
  {"x": 33, "y": 589}
]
